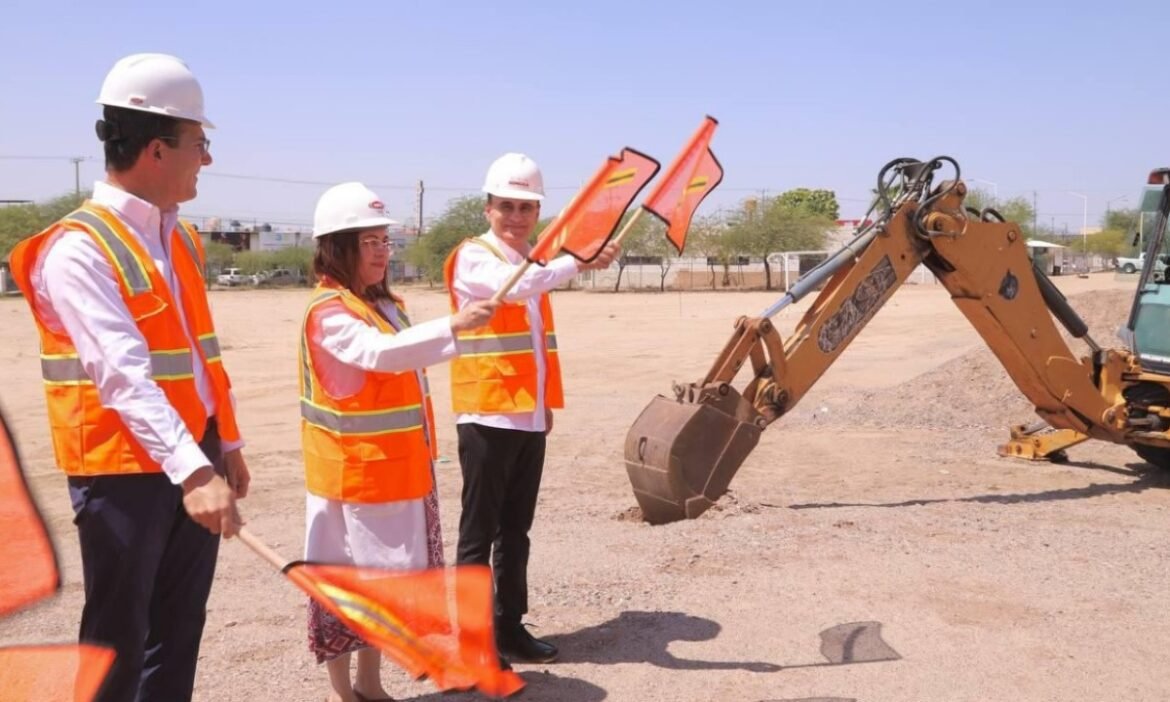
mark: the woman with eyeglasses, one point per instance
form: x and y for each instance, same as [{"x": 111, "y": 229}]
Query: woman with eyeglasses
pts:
[{"x": 366, "y": 422}]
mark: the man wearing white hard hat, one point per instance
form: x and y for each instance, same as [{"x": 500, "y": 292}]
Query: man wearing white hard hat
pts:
[
  {"x": 504, "y": 391},
  {"x": 140, "y": 407},
  {"x": 367, "y": 427}
]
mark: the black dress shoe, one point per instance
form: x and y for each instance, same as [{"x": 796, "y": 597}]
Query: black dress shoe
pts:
[{"x": 515, "y": 643}]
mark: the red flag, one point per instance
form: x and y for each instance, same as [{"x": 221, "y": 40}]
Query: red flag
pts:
[
  {"x": 29, "y": 573},
  {"x": 693, "y": 174},
  {"x": 63, "y": 672},
  {"x": 435, "y": 622},
  {"x": 589, "y": 221}
]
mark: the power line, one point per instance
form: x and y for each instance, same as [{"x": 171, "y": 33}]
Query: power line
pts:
[{"x": 46, "y": 158}]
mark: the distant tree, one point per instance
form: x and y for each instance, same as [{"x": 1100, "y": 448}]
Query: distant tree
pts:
[
  {"x": 776, "y": 225},
  {"x": 252, "y": 262},
  {"x": 651, "y": 243},
  {"x": 1109, "y": 242},
  {"x": 294, "y": 258},
  {"x": 711, "y": 237},
  {"x": 633, "y": 244},
  {"x": 20, "y": 221},
  {"x": 463, "y": 218},
  {"x": 219, "y": 255},
  {"x": 814, "y": 202},
  {"x": 1120, "y": 220},
  {"x": 1016, "y": 209}
]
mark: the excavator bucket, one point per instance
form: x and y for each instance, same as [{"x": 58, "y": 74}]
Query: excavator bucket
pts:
[{"x": 681, "y": 456}]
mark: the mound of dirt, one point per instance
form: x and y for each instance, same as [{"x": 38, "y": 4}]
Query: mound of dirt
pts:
[{"x": 972, "y": 391}]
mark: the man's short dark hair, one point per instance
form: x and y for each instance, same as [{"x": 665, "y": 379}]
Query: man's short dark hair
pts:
[{"x": 125, "y": 133}]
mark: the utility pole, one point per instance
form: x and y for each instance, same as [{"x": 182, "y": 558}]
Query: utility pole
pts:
[
  {"x": 1035, "y": 231},
  {"x": 77, "y": 174},
  {"x": 419, "y": 207}
]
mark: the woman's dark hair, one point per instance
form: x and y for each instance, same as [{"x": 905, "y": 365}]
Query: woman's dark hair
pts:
[
  {"x": 125, "y": 133},
  {"x": 337, "y": 257}
]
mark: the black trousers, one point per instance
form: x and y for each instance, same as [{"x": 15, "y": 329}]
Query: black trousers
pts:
[
  {"x": 148, "y": 570},
  {"x": 501, "y": 479}
]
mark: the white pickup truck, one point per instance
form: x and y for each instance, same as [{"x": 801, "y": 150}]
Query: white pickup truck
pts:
[{"x": 1133, "y": 265}]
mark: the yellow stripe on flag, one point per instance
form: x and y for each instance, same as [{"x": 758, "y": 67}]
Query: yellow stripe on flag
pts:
[{"x": 621, "y": 177}]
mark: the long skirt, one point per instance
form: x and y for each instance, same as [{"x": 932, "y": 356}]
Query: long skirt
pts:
[{"x": 404, "y": 535}]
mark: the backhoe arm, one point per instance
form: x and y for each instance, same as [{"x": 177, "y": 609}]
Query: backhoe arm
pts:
[{"x": 681, "y": 453}]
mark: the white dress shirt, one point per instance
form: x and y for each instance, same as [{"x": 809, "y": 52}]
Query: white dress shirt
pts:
[
  {"x": 389, "y": 534},
  {"x": 353, "y": 347},
  {"x": 479, "y": 275},
  {"x": 76, "y": 289}
]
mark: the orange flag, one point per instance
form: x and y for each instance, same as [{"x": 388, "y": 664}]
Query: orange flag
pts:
[
  {"x": 60, "y": 672},
  {"x": 435, "y": 623},
  {"x": 63, "y": 672},
  {"x": 693, "y": 174},
  {"x": 589, "y": 221},
  {"x": 29, "y": 573}
]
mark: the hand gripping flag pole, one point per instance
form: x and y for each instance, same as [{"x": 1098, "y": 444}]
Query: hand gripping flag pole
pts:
[
  {"x": 590, "y": 219},
  {"x": 435, "y": 623}
]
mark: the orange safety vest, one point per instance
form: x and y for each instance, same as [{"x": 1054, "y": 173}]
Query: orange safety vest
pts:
[
  {"x": 89, "y": 439},
  {"x": 373, "y": 445},
  {"x": 495, "y": 372}
]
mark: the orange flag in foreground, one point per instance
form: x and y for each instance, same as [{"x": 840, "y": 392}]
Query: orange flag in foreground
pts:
[
  {"x": 64, "y": 672},
  {"x": 435, "y": 623},
  {"x": 29, "y": 573},
  {"x": 594, "y": 213},
  {"x": 693, "y": 174}
]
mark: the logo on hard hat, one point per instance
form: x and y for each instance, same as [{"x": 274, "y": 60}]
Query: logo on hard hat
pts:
[
  {"x": 137, "y": 101},
  {"x": 521, "y": 183},
  {"x": 377, "y": 205}
]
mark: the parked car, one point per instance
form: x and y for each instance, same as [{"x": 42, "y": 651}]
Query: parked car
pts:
[
  {"x": 1133, "y": 265},
  {"x": 232, "y": 277},
  {"x": 278, "y": 276}
]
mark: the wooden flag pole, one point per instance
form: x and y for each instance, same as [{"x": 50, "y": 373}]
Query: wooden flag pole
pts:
[
  {"x": 499, "y": 296},
  {"x": 261, "y": 549},
  {"x": 629, "y": 225},
  {"x": 511, "y": 282}
]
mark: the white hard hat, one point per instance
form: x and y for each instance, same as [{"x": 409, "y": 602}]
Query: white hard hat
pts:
[
  {"x": 156, "y": 83},
  {"x": 348, "y": 206},
  {"x": 514, "y": 176}
]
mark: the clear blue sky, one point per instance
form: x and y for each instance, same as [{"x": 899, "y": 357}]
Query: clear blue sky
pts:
[{"x": 815, "y": 94}]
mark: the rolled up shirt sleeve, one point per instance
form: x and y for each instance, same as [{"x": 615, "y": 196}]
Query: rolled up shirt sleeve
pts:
[{"x": 82, "y": 289}]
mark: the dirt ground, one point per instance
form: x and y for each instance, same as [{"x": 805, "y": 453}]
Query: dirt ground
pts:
[{"x": 873, "y": 547}]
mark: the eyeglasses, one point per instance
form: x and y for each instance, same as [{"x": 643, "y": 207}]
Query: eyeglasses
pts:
[
  {"x": 204, "y": 145},
  {"x": 376, "y": 244}
]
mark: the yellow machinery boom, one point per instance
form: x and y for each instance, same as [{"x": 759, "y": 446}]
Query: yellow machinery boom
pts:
[{"x": 682, "y": 451}]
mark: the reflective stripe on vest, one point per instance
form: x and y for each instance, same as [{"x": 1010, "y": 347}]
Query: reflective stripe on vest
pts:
[
  {"x": 210, "y": 345},
  {"x": 307, "y": 390},
  {"x": 366, "y": 423},
  {"x": 66, "y": 369},
  {"x": 128, "y": 264},
  {"x": 362, "y": 423},
  {"x": 189, "y": 243},
  {"x": 176, "y": 328},
  {"x": 483, "y": 345}
]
